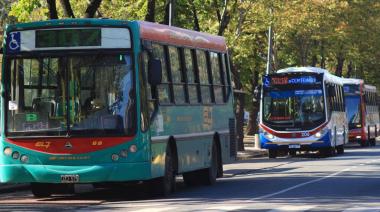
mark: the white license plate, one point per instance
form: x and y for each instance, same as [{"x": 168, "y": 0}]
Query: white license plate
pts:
[
  {"x": 70, "y": 178},
  {"x": 294, "y": 146}
]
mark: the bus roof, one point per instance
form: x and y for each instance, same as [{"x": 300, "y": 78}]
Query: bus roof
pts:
[
  {"x": 181, "y": 37},
  {"x": 352, "y": 81},
  {"x": 327, "y": 76},
  {"x": 371, "y": 88}
]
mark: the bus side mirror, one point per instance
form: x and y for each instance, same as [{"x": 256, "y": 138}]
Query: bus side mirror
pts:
[{"x": 154, "y": 71}]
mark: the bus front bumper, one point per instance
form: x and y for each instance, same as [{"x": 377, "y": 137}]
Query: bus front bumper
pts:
[
  {"x": 304, "y": 145},
  {"x": 112, "y": 172}
]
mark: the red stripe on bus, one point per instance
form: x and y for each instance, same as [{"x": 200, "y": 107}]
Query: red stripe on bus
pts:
[
  {"x": 291, "y": 134},
  {"x": 181, "y": 37},
  {"x": 69, "y": 145}
]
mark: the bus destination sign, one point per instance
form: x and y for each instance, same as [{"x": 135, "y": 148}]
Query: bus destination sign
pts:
[
  {"x": 287, "y": 80},
  {"x": 68, "y": 38}
]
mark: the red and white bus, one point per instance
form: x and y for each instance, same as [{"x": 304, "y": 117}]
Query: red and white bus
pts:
[{"x": 362, "y": 111}]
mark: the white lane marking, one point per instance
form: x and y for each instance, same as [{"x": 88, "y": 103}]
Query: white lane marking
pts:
[
  {"x": 225, "y": 207},
  {"x": 155, "y": 209},
  {"x": 363, "y": 209},
  {"x": 305, "y": 183},
  {"x": 293, "y": 208}
]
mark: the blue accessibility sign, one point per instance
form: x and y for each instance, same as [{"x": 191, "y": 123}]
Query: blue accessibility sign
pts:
[{"x": 14, "y": 42}]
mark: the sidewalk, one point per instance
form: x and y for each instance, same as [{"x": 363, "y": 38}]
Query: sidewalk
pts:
[{"x": 249, "y": 149}]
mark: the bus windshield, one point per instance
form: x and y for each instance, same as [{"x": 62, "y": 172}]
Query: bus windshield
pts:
[
  {"x": 295, "y": 109},
  {"x": 353, "y": 110},
  {"x": 69, "y": 94}
]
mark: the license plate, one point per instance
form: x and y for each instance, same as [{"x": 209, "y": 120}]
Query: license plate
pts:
[
  {"x": 70, "y": 178},
  {"x": 294, "y": 146}
]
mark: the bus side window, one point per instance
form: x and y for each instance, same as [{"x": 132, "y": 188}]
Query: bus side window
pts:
[
  {"x": 164, "y": 94},
  {"x": 216, "y": 78},
  {"x": 177, "y": 77},
  {"x": 203, "y": 77},
  {"x": 191, "y": 76},
  {"x": 146, "y": 99}
]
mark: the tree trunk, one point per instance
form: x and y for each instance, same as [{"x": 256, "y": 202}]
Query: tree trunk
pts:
[
  {"x": 150, "y": 15},
  {"x": 323, "y": 58},
  {"x": 339, "y": 65},
  {"x": 92, "y": 8},
  {"x": 224, "y": 20},
  {"x": 349, "y": 69},
  {"x": 196, "y": 26},
  {"x": 252, "y": 127},
  {"x": 67, "y": 10},
  {"x": 52, "y": 9},
  {"x": 239, "y": 110}
]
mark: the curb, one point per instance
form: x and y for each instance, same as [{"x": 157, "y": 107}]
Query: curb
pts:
[{"x": 250, "y": 153}]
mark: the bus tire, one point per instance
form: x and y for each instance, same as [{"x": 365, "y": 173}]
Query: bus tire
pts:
[
  {"x": 41, "y": 190},
  {"x": 292, "y": 152},
  {"x": 340, "y": 149},
  {"x": 163, "y": 186},
  {"x": 272, "y": 153}
]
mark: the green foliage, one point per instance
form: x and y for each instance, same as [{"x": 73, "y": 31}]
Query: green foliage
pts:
[{"x": 306, "y": 32}]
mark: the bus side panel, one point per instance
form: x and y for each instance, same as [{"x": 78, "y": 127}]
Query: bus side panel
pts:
[
  {"x": 338, "y": 128},
  {"x": 193, "y": 153},
  {"x": 158, "y": 158}
]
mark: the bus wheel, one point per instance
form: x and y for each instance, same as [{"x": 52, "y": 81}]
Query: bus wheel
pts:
[
  {"x": 363, "y": 143},
  {"x": 327, "y": 152},
  {"x": 272, "y": 153},
  {"x": 165, "y": 185},
  {"x": 372, "y": 141},
  {"x": 41, "y": 189},
  {"x": 340, "y": 149},
  {"x": 292, "y": 152}
]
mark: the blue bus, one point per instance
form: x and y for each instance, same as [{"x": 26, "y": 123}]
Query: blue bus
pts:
[{"x": 302, "y": 109}]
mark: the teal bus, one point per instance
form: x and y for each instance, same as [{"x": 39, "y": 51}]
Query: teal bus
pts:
[{"x": 101, "y": 101}]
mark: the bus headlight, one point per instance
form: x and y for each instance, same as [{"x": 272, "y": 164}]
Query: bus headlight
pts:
[
  {"x": 15, "y": 155},
  {"x": 268, "y": 135},
  {"x": 133, "y": 148},
  {"x": 24, "y": 158},
  {"x": 7, "y": 151},
  {"x": 321, "y": 133},
  {"x": 115, "y": 157},
  {"x": 123, "y": 153}
]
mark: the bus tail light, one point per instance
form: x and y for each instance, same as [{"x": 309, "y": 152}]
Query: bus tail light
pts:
[
  {"x": 133, "y": 148},
  {"x": 24, "y": 158},
  {"x": 7, "y": 151}
]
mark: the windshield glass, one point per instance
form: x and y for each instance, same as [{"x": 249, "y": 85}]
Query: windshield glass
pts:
[
  {"x": 353, "y": 110},
  {"x": 293, "y": 109},
  {"x": 55, "y": 95}
]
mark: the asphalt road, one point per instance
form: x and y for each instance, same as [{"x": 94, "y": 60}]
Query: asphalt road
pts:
[{"x": 350, "y": 182}]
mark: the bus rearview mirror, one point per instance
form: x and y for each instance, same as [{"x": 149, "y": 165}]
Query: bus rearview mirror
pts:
[{"x": 154, "y": 71}]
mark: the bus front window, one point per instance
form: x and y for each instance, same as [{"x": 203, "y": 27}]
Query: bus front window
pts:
[
  {"x": 293, "y": 109},
  {"x": 353, "y": 110},
  {"x": 70, "y": 94}
]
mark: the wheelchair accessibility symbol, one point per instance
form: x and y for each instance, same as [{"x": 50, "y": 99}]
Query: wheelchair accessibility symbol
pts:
[{"x": 14, "y": 41}]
